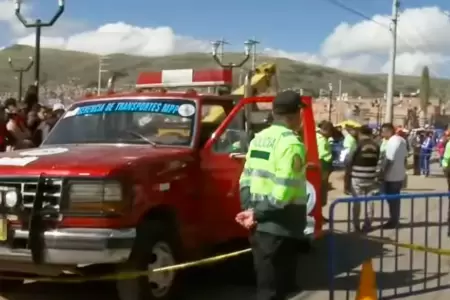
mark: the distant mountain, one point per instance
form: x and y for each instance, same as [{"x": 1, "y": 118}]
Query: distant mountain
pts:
[{"x": 58, "y": 66}]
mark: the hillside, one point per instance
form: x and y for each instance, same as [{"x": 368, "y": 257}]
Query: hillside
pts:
[{"x": 59, "y": 66}]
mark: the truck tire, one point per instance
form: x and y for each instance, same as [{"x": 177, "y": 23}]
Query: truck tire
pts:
[{"x": 157, "y": 245}]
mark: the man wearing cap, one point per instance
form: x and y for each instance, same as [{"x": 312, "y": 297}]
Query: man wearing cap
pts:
[{"x": 274, "y": 198}]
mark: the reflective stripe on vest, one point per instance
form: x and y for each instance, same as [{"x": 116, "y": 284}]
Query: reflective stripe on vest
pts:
[
  {"x": 277, "y": 180},
  {"x": 286, "y": 182}
]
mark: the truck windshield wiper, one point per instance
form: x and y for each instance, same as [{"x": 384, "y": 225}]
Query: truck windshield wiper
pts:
[{"x": 142, "y": 137}]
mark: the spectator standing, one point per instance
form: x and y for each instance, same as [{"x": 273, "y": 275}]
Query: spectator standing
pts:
[
  {"x": 350, "y": 142},
  {"x": 361, "y": 175},
  {"x": 31, "y": 98},
  {"x": 5, "y": 137},
  {"x": 50, "y": 120},
  {"x": 416, "y": 147},
  {"x": 16, "y": 125},
  {"x": 33, "y": 123},
  {"x": 393, "y": 171},
  {"x": 58, "y": 110},
  {"x": 425, "y": 154}
]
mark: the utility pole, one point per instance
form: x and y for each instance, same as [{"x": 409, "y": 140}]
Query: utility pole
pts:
[
  {"x": 102, "y": 63},
  {"x": 330, "y": 100},
  {"x": 340, "y": 90},
  {"x": 392, "y": 57},
  {"x": 38, "y": 25},
  {"x": 20, "y": 71}
]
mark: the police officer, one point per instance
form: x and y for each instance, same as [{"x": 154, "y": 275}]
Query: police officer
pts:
[
  {"x": 361, "y": 174},
  {"x": 274, "y": 198},
  {"x": 323, "y": 135}
]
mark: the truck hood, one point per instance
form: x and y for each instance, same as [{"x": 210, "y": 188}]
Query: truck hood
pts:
[{"x": 75, "y": 160}]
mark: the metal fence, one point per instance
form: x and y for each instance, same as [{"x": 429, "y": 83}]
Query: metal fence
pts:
[{"x": 412, "y": 259}]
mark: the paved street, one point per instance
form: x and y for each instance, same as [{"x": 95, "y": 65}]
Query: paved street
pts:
[{"x": 403, "y": 272}]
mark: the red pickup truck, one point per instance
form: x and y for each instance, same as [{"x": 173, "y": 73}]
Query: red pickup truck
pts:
[{"x": 137, "y": 181}]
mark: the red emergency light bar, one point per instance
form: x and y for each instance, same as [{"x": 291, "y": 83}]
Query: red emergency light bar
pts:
[{"x": 185, "y": 78}]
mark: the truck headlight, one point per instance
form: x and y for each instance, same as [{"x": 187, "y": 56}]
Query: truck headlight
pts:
[
  {"x": 11, "y": 198},
  {"x": 99, "y": 196}
]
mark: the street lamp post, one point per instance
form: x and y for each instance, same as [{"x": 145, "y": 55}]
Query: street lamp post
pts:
[
  {"x": 247, "y": 82},
  {"x": 231, "y": 65},
  {"x": 220, "y": 46},
  {"x": 20, "y": 71},
  {"x": 38, "y": 24},
  {"x": 218, "y": 57}
]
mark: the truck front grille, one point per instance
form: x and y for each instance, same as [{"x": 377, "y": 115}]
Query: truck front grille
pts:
[{"x": 27, "y": 187}]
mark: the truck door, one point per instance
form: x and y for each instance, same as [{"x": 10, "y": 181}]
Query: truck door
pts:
[{"x": 222, "y": 161}]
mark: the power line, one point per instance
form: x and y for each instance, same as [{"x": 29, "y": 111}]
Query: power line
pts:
[
  {"x": 393, "y": 51},
  {"x": 355, "y": 12}
]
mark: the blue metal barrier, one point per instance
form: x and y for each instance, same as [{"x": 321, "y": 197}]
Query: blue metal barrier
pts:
[{"x": 413, "y": 257}]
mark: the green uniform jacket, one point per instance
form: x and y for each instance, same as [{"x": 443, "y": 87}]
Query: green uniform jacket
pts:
[{"x": 273, "y": 182}]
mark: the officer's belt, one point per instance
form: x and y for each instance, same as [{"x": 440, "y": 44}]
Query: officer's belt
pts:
[{"x": 255, "y": 197}]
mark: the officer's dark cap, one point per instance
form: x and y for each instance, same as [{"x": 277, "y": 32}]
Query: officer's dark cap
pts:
[{"x": 286, "y": 103}]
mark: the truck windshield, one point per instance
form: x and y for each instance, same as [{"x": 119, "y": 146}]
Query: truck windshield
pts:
[{"x": 130, "y": 121}]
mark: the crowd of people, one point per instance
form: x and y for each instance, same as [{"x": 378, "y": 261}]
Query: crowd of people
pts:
[
  {"x": 26, "y": 124},
  {"x": 375, "y": 162}
]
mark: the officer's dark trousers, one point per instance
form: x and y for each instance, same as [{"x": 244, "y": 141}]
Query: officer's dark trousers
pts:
[{"x": 275, "y": 260}]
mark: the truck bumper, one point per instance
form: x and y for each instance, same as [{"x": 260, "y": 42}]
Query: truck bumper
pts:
[{"x": 74, "y": 246}]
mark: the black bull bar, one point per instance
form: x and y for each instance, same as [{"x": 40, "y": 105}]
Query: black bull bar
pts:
[{"x": 35, "y": 220}]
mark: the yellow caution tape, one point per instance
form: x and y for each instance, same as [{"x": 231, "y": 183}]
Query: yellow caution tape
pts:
[
  {"x": 132, "y": 274},
  {"x": 206, "y": 261}
]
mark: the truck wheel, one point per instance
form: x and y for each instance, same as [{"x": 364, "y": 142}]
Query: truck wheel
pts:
[
  {"x": 9, "y": 285},
  {"x": 156, "y": 246}
]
